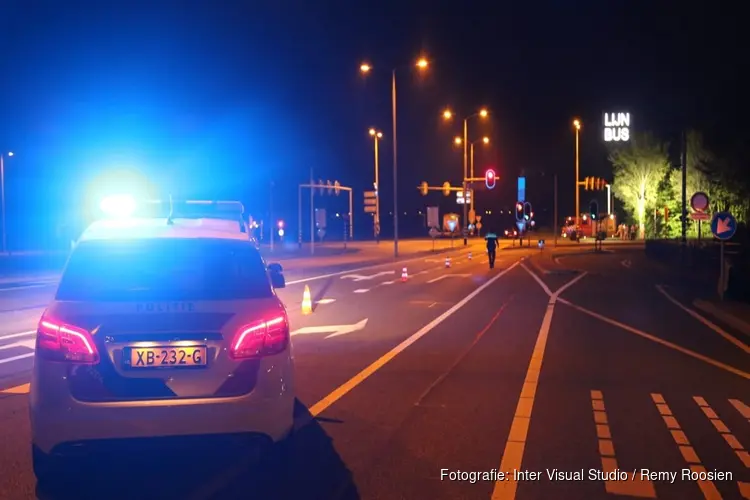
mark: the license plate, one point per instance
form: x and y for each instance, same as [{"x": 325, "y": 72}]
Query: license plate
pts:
[{"x": 151, "y": 357}]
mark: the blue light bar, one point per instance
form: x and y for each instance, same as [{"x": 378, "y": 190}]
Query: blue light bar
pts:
[{"x": 119, "y": 206}]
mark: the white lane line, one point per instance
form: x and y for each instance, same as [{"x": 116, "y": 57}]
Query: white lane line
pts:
[
  {"x": 26, "y": 287},
  {"x": 352, "y": 271},
  {"x": 658, "y": 340},
  {"x": 388, "y": 282},
  {"x": 512, "y": 457},
  {"x": 433, "y": 280},
  {"x": 16, "y": 358},
  {"x": 20, "y": 334},
  {"x": 350, "y": 384},
  {"x": 362, "y": 290},
  {"x": 326, "y": 301},
  {"x": 716, "y": 328}
]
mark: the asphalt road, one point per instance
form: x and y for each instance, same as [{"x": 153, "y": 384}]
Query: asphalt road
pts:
[{"x": 566, "y": 362}]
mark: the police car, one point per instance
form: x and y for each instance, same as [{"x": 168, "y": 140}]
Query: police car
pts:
[{"x": 165, "y": 326}]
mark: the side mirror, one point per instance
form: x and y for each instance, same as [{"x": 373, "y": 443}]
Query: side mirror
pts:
[{"x": 275, "y": 271}]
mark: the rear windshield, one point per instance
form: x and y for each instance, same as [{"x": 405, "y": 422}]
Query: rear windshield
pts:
[{"x": 167, "y": 269}]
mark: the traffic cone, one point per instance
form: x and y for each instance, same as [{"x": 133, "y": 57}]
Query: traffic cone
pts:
[
  {"x": 404, "y": 275},
  {"x": 469, "y": 255},
  {"x": 447, "y": 262},
  {"x": 306, "y": 301}
]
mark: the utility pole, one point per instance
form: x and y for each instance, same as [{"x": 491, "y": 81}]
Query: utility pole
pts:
[
  {"x": 684, "y": 187},
  {"x": 555, "y": 213}
]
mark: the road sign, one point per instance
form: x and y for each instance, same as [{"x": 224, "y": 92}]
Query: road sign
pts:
[
  {"x": 699, "y": 202},
  {"x": 723, "y": 225},
  {"x": 700, "y": 216},
  {"x": 433, "y": 217},
  {"x": 434, "y": 233},
  {"x": 479, "y": 218},
  {"x": 320, "y": 218},
  {"x": 371, "y": 209},
  {"x": 522, "y": 189},
  {"x": 520, "y": 225},
  {"x": 479, "y": 226},
  {"x": 472, "y": 215}
]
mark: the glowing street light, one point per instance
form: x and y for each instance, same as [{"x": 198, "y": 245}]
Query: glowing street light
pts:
[
  {"x": 486, "y": 140},
  {"x": 422, "y": 64},
  {"x": 448, "y": 115},
  {"x": 457, "y": 141},
  {"x": 374, "y": 133}
]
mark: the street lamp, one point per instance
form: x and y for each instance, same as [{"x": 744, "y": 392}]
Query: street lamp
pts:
[
  {"x": 2, "y": 195},
  {"x": 577, "y": 127},
  {"x": 447, "y": 115},
  {"x": 376, "y": 135},
  {"x": 365, "y": 68}
]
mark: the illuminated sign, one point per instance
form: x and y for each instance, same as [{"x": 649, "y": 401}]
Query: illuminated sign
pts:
[{"x": 616, "y": 127}]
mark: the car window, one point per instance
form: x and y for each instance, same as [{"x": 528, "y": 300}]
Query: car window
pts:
[{"x": 164, "y": 269}]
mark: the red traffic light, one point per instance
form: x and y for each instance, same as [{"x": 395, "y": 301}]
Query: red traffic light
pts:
[{"x": 490, "y": 179}]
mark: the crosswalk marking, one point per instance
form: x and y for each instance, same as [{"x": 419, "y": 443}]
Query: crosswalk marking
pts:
[
  {"x": 686, "y": 449},
  {"x": 742, "y": 408},
  {"x": 634, "y": 488},
  {"x": 720, "y": 426}
]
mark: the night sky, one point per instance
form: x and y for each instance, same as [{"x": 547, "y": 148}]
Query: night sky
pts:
[{"x": 219, "y": 99}]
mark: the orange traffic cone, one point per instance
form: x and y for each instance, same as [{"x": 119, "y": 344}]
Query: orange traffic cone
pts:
[
  {"x": 447, "y": 262},
  {"x": 404, "y": 275},
  {"x": 306, "y": 301}
]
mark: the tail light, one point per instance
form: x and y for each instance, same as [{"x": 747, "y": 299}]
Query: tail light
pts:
[
  {"x": 263, "y": 338},
  {"x": 62, "y": 342}
]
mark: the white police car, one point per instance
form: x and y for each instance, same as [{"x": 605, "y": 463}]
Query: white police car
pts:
[{"x": 160, "y": 327}]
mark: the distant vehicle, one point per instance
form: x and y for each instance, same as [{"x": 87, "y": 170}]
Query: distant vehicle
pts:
[
  {"x": 160, "y": 327},
  {"x": 511, "y": 233}
]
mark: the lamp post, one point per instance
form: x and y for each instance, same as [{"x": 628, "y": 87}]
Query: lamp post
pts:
[
  {"x": 577, "y": 127},
  {"x": 448, "y": 115},
  {"x": 365, "y": 68},
  {"x": 376, "y": 135},
  {"x": 2, "y": 195}
]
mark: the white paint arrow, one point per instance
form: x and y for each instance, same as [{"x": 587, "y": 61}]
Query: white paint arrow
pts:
[
  {"x": 359, "y": 277},
  {"x": 723, "y": 225},
  {"x": 449, "y": 276},
  {"x": 336, "y": 329}
]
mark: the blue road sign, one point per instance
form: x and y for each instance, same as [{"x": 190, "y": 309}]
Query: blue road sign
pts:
[
  {"x": 522, "y": 189},
  {"x": 723, "y": 225},
  {"x": 521, "y": 225}
]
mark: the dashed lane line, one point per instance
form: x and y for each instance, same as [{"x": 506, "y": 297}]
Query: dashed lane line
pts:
[
  {"x": 635, "y": 488},
  {"x": 686, "y": 449},
  {"x": 722, "y": 428}
]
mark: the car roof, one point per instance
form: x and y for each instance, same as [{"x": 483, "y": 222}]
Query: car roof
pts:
[{"x": 152, "y": 228}]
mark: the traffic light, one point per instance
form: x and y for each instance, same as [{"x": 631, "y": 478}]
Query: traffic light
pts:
[
  {"x": 424, "y": 188},
  {"x": 337, "y": 188},
  {"x": 446, "y": 189},
  {"x": 527, "y": 213},
  {"x": 519, "y": 211},
  {"x": 598, "y": 184},
  {"x": 594, "y": 210},
  {"x": 490, "y": 179},
  {"x": 281, "y": 224},
  {"x": 330, "y": 187}
]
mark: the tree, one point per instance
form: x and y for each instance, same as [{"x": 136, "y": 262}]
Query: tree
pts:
[{"x": 639, "y": 167}]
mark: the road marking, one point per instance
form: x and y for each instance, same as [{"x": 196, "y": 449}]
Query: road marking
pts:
[
  {"x": 726, "y": 317},
  {"x": 519, "y": 429},
  {"x": 387, "y": 282},
  {"x": 350, "y": 384},
  {"x": 19, "y": 334},
  {"x": 656, "y": 339},
  {"x": 19, "y": 389},
  {"x": 626, "y": 263},
  {"x": 720, "y": 426},
  {"x": 26, "y": 287},
  {"x": 731, "y": 338},
  {"x": 351, "y": 271},
  {"x": 635, "y": 488},
  {"x": 326, "y": 301},
  {"x": 362, "y": 290},
  {"x": 16, "y": 358},
  {"x": 683, "y": 444},
  {"x": 359, "y": 277},
  {"x": 334, "y": 330},
  {"x": 453, "y": 275},
  {"x": 557, "y": 260},
  {"x": 742, "y": 408},
  {"x": 463, "y": 354}
]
